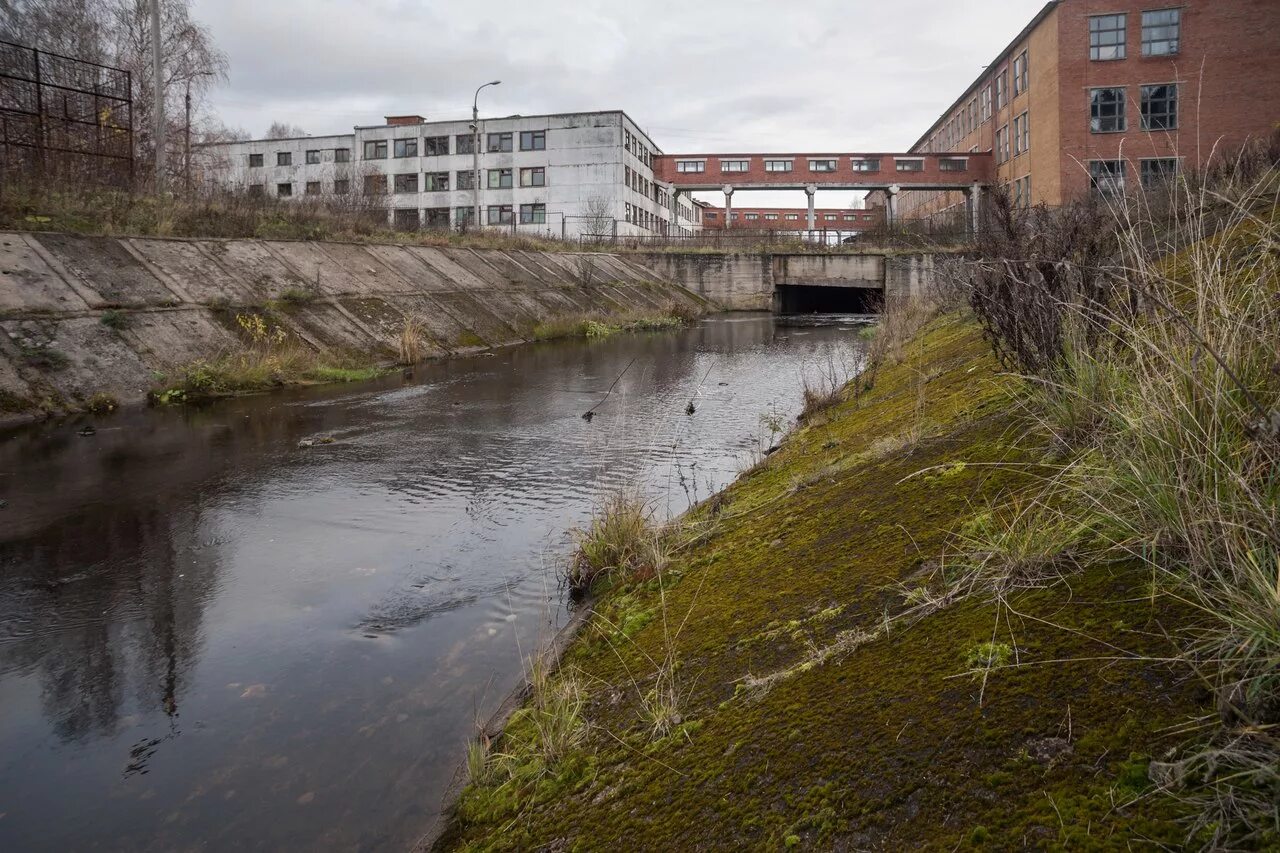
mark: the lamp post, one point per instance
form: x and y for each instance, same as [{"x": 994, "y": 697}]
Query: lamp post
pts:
[{"x": 475, "y": 148}]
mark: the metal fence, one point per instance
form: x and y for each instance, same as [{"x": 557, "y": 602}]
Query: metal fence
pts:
[{"x": 64, "y": 118}]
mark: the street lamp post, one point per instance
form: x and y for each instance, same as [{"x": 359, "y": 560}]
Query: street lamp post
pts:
[{"x": 475, "y": 149}]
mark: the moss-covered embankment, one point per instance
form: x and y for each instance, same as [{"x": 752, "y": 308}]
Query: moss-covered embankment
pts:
[{"x": 808, "y": 712}]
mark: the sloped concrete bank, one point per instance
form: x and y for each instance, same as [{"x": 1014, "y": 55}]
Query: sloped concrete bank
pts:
[{"x": 86, "y": 315}]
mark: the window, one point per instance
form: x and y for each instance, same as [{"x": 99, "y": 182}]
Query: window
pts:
[
  {"x": 405, "y": 148},
  {"x": 690, "y": 165},
  {"x": 438, "y": 182},
  {"x": 1106, "y": 110},
  {"x": 1021, "y": 74},
  {"x": 375, "y": 184},
  {"x": 626, "y": 215},
  {"x": 533, "y": 140},
  {"x": 464, "y": 216},
  {"x": 777, "y": 165},
  {"x": 1106, "y": 177},
  {"x": 498, "y": 142},
  {"x": 1026, "y": 130},
  {"x": 255, "y": 190},
  {"x": 284, "y": 158},
  {"x": 829, "y": 217},
  {"x": 464, "y": 143},
  {"x": 986, "y": 104},
  {"x": 341, "y": 186},
  {"x": 793, "y": 217},
  {"x": 500, "y": 214},
  {"x": 406, "y": 219},
  {"x": 734, "y": 165},
  {"x": 312, "y": 158},
  {"x": 406, "y": 183},
  {"x": 1002, "y": 144},
  {"x": 1159, "y": 106},
  {"x": 1106, "y": 37},
  {"x": 752, "y": 216},
  {"x": 255, "y": 160},
  {"x": 284, "y": 190},
  {"x": 910, "y": 165},
  {"x": 312, "y": 188},
  {"x": 375, "y": 149},
  {"x": 342, "y": 155},
  {"x": 1017, "y": 193},
  {"x": 1161, "y": 32},
  {"x": 1017, "y": 135},
  {"x": 1158, "y": 171},
  {"x": 710, "y": 214},
  {"x": 534, "y": 177},
  {"x": 434, "y": 146},
  {"x": 771, "y": 216},
  {"x": 866, "y": 164},
  {"x": 822, "y": 165},
  {"x": 1002, "y": 88},
  {"x": 499, "y": 179},
  {"x": 466, "y": 179},
  {"x": 533, "y": 213},
  {"x": 849, "y": 217},
  {"x": 952, "y": 164},
  {"x": 438, "y": 217}
]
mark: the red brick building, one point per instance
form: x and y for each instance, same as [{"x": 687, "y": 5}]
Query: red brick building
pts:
[
  {"x": 1106, "y": 95},
  {"x": 792, "y": 218}
]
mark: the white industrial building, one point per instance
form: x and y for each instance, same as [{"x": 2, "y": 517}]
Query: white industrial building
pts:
[{"x": 552, "y": 175}]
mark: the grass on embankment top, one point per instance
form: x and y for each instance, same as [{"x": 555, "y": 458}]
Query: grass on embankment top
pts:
[{"x": 800, "y": 721}]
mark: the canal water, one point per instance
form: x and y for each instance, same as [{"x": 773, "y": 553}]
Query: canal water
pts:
[{"x": 272, "y": 622}]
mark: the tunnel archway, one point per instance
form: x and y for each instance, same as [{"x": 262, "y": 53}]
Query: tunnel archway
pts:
[{"x": 825, "y": 299}]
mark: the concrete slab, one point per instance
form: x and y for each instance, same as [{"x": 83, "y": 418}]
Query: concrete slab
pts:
[
  {"x": 29, "y": 284},
  {"x": 198, "y": 272},
  {"x": 409, "y": 266},
  {"x": 107, "y": 268},
  {"x": 258, "y": 271}
]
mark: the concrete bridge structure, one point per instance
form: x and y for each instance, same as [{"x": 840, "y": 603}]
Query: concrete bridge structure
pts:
[{"x": 888, "y": 173}]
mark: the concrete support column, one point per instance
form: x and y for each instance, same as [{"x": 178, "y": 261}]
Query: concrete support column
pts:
[
  {"x": 974, "y": 194},
  {"x": 811, "y": 191},
  {"x": 891, "y": 204},
  {"x": 728, "y": 204},
  {"x": 673, "y": 229}
]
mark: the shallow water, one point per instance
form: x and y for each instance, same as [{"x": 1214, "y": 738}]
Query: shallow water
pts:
[{"x": 213, "y": 635}]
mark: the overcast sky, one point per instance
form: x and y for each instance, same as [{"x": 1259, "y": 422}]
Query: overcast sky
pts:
[{"x": 697, "y": 75}]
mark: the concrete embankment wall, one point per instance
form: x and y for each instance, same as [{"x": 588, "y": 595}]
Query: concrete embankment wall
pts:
[
  {"x": 168, "y": 302},
  {"x": 747, "y": 282}
]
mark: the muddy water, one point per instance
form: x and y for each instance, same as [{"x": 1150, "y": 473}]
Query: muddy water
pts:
[{"x": 219, "y": 630}]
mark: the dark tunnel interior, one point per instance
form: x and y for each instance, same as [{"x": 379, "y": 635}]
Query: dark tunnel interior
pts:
[{"x": 821, "y": 299}]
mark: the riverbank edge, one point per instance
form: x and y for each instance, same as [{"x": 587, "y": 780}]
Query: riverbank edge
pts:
[{"x": 967, "y": 417}]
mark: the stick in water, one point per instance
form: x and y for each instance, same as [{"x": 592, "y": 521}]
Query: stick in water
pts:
[{"x": 591, "y": 412}]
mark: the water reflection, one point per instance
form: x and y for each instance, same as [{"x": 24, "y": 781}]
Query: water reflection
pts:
[{"x": 273, "y": 621}]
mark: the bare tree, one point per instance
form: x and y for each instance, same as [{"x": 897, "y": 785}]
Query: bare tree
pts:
[
  {"x": 284, "y": 130},
  {"x": 597, "y": 217}
]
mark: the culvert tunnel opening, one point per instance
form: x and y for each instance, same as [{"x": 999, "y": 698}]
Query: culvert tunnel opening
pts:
[{"x": 823, "y": 299}]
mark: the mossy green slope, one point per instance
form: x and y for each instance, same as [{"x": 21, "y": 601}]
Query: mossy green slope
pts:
[{"x": 868, "y": 737}]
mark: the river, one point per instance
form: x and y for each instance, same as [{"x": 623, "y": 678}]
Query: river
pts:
[{"x": 272, "y": 622}]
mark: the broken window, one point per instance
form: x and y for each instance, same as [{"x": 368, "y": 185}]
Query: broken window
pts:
[
  {"x": 533, "y": 140},
  {"x": 313, "y": 188},
  {"x": 284, "y": 158},
  {"x": 434, "y": 146},
  {"x": 375, "y": 149},
  {"x": 284, "y": 190},
  {"x": 1159, "y": 107},
  {"x": 313, "y": 158},
  {"x": 499, "y": 179},
  {"x": 463, "y": 216},
  {"x": 375, "y": 184},
  {"x": 406, "y": 148},
  {"x": 406, "y": 219},
  {"x": 1106, "y": 177},
  {"x": 438, "y": 182},
  {"x": 341, "y": 186},
  {"x": 256, "y": 190},
  {"x": 535, "y": 214},
  {"x": 465, "y": 143},
  {"x": 407, "y": 183},
  {"x": 1106, "y": 111},
  {"x": 438, "y": 217},
  {"x": 1158, "y": 171},
  {"x": 466, "y": 179},
  {"x": 498, "y": 142},
  {"x": 533, "y": 177}
]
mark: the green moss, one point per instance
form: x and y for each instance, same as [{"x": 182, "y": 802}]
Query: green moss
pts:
[
  {"x": 877, "y": 743},
  {"x": 468, "y": 338}
]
